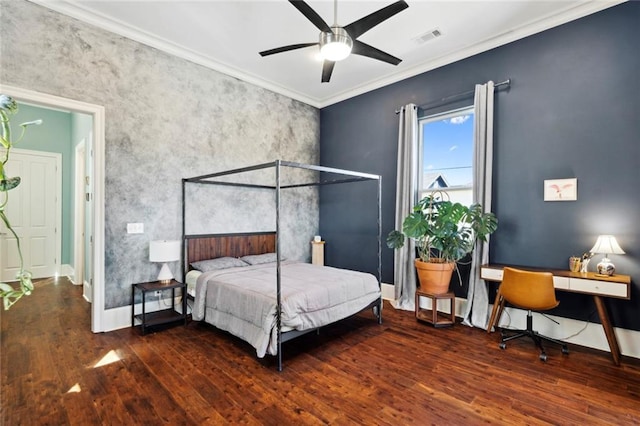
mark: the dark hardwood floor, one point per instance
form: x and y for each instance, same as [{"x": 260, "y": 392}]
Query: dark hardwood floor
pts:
[{"x": 56, "y": 372}]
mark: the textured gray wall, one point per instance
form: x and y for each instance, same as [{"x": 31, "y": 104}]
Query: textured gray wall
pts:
[{"x": 166, "y": 119}]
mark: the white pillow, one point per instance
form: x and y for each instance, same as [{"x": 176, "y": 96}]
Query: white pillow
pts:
[
  {"x": 258, "y": 259},
  {"x": 218, "y": 263}
]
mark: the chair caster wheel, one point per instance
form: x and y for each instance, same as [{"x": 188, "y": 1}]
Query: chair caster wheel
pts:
[
  {"x": 543, "y": 357},
  {"x": 565, "y": 350},
  {"x": 503, "y": 346}
]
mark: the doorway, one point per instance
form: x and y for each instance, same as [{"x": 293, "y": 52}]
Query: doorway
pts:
[{"x": 96, "y": 164}]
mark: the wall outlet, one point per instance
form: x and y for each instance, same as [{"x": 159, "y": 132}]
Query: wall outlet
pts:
[{"x": 158, "y": 293}]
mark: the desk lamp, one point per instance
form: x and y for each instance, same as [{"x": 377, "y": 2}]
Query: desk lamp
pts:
[
  {"x": 606, "y": 244},
  {"x": 164, "y": 251}
]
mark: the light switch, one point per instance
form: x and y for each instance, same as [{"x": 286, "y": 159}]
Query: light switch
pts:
[{"x": 135, "y": 228}]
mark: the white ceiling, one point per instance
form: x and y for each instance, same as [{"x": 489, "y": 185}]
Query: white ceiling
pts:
[{"x": 226, "y": 35}]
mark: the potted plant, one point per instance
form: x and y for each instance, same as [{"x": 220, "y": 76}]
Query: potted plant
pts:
[
  {"x": 8, "y": 292},
  {"x": 444, "y": 232}
]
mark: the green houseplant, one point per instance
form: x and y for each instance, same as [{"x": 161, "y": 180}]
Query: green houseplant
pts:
[
  {"x": 444, "y": 233},
  {"x": 8, "y": 106}
]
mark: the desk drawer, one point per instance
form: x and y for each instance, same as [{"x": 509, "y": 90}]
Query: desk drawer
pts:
[
  {"x": 602, "y": 288},
  {"x": 561, "y": 283},
  {"x": 491, "y": 274}
]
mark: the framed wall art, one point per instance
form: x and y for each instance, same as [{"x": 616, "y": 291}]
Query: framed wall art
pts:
[{"x": 561, "y": 189}]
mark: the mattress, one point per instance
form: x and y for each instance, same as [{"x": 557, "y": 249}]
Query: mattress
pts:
[
  {"x": 242, "y": 300},
  {"x": 191, "y": 279}
]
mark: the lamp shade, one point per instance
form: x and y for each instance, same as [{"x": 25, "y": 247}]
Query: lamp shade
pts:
[
  {"x": 607, "y": 244},
  {"x": 164, "y": 251}
]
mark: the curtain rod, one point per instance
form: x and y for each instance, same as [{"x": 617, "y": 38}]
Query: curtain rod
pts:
[{"x": 507, "y": 82}]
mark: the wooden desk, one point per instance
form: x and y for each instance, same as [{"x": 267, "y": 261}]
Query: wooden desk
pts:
[{"x": 616, "y": 286}]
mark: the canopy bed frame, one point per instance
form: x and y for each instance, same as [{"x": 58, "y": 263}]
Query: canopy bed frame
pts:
[{"x": 209, "y": 246}]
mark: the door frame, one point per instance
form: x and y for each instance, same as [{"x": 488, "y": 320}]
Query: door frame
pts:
[{"x": 97, "y": 112}]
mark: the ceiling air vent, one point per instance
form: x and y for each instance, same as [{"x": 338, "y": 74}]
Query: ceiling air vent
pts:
[{"x": 429, "y": 35}]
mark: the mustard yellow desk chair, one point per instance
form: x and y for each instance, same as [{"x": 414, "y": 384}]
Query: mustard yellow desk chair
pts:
[{"x": 528, "y": 290}]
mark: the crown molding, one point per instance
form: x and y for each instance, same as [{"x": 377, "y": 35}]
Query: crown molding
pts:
[
  {"x": 115, "y": 26},
  {"x": 570, "y": 14},
  {"x": 77, "y": 11}
]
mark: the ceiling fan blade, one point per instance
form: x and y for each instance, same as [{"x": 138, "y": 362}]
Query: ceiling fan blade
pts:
[
  {"x": 286, "y": 48},
  {"x": 363, "y": 49},
  {"x": 361, "y": 26},
  {"x": 327, "y": 69},
  {"x": 311, "y": 15}
]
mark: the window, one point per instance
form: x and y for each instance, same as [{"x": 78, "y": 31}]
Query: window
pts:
[{"x": 446, "y": 155}]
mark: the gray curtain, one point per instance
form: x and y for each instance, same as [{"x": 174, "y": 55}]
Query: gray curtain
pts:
[
  {"x": 477, "y": 309},
  {"x": 404, "y": 277}
]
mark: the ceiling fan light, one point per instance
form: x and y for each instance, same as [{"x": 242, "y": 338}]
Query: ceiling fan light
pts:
[
  {"x": 335, "y": 46},
  {"x": 335, "y": 51}
]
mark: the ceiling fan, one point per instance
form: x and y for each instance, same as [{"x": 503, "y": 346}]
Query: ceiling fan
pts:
[{"x": 336, "y": 42}]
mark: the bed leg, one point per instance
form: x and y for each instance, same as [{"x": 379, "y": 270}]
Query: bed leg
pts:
[{"x": 377, "y": 311}]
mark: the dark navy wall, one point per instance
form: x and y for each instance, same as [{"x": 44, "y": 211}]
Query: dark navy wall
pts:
[{"x": 571, "y": 111}]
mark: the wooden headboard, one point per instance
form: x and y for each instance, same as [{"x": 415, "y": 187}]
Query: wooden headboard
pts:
[{"x": 210, "y": 246}]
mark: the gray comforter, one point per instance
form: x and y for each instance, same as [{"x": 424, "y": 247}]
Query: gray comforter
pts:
[{"x": 242, "y": 300}]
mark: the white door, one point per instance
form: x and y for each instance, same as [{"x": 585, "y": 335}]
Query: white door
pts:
[
  {"x": 82, "y": 224},
  {"x": 33, "y": 213},
  {"x": 88, "y": 220},
  {"x": 79, "y": 224}
]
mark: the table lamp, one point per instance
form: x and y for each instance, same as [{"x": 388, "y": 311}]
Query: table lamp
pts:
[
  {"x": 164, "y": 251},
  {"x": 606, "y": 244}
]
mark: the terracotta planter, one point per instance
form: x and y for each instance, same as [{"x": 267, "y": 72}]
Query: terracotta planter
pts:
[{"x": 434, "y": 276}]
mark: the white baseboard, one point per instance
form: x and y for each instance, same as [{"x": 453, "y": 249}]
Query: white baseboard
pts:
[
  {"x": 582, "y": 333},
  {"x": 86, "y": 291},
  {"x": 576, "y": 332},
  {"x": 67, "y": 270},
  {"x": 573, "y": 331},
  {"x": 388, "y": 291},
  {"x": 117, "y": 318}
]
